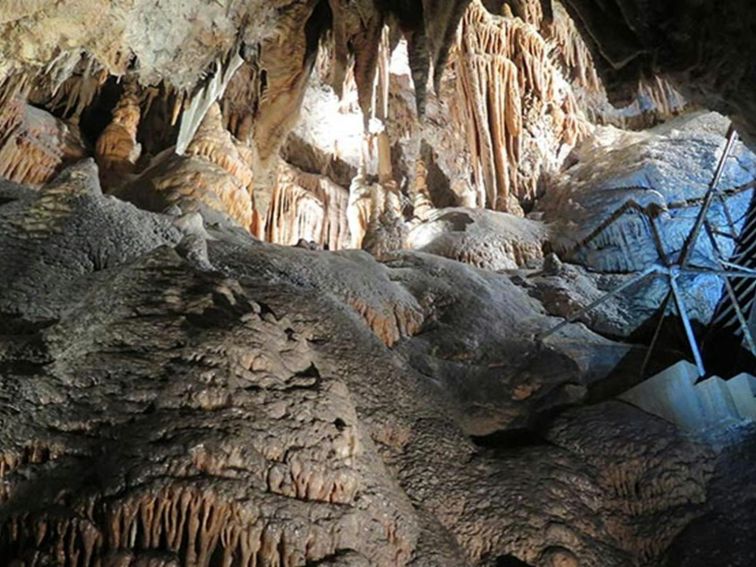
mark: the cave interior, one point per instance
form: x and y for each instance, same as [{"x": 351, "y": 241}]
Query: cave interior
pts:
[{"x": 423, "y": 283}]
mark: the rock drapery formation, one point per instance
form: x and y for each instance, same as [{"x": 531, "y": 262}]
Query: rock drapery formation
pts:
[
  {"x": 275, "y": 278},
  {"x": 507, "y": 79},
  {"x": 35, "y": 145}
]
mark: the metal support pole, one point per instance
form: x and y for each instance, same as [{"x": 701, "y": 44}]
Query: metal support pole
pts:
[
  {"x": 686, "y": 324},
  {"x": 690, "y": 243},
  {"x": 737, "y": 267}
]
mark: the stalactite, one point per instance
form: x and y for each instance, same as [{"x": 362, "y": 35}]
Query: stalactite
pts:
[
  {"x": 308, "y": 207},
  {"x": 665, "y": 99},
  {"x": 653, "y": 100},
  {"x": 571, "y": 51},
  {"x": 16, "y": 85},
  {"x": 34, "y": 145},
  {"x": 508, "y": 86},
  {"x": 263, "y": 98},
  {"x": 357, "y": 35},
  {"x": 441, "y": 19},
  {"x": 199, "y": 104}
]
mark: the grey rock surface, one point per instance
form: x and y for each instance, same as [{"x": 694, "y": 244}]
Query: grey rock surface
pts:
[{"x": 175, "y": 415}]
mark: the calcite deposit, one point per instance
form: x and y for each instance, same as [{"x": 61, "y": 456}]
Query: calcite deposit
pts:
[{"x": 279, "y": 283}]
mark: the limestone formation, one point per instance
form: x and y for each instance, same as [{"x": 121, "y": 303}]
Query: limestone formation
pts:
[
  {"x": 34, "y": 145},
  {"x": 305, "y": 452},
  {"x": 484, "y": 239},
  {"x": 212, "y": 171},
  {"x": 508, "y": 83},
  {"x": 310, "y": 207},
  {"x": 324, "y": 282},
  {"x": 117, "y": 149}
]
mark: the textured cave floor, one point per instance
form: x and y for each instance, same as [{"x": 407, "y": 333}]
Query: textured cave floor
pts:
[
  {"x": 175, "y": 392},
  {"x": 159, "y": 403},
  {"x": 723, "y": 535}
]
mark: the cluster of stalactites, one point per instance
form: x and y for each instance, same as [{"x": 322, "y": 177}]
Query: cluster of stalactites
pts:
[
  {"x": 507, "y": 78},
  {"x": 572, "y": 52},
  {"x": 654, "y": 99},
  {"x": 191, "y": 525},
  {"x": 307, "y": 207},
  {"x": 661, "y": 96},
  {"x": 68, "y": 84},
  {"x": 429, "y": 26}
]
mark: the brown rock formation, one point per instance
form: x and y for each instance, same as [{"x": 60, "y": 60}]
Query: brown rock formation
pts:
[
  {"x": 292, "y": 406},
  {"x": 502, "y": 62},
  {"x": 316, "y": 336},
  {"x": 212, "y": 172},
  {"x": 307, "y": 207},
  {"x": 117, "y": 149},
  {"x": 34, "y": 145}
]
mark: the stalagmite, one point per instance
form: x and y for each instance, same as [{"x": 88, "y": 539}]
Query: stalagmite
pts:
[
  {"x": 212, "y": 172},
  {"x": 422, "y": 202},
  {"x": 215, "y": 144},
  {"x": 117, "y": 149},
  {"x": 359, "y": 208}
]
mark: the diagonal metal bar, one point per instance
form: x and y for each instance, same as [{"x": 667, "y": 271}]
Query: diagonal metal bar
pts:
[
  {"x": 737, "y": 267},
  {"x": 657, "y": 332},
  {"x": 747, "y": 274},
  {"x": 690, "y": 243},
  {"x": 683, "y": 311},
  {"x": 655, "y": 269}
]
